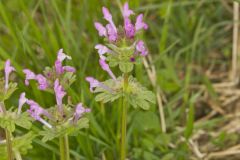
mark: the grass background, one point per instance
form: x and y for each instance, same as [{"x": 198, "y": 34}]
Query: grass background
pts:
[{"x": 186, "y": 38}]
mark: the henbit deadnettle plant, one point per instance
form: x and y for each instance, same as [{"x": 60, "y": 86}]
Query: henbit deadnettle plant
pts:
[
  {"x": 11, "y": 118},
  {"x": 60, "y": 120},
  {"x": 122, "y": 49}
]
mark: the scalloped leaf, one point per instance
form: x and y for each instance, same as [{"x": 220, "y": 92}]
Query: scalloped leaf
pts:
[{"x": 68, "y": 128}]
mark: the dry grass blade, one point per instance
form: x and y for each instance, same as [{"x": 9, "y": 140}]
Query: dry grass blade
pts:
[{"x": 153, "y": 78}]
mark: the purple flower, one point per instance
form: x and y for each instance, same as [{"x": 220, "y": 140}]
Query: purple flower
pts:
[
  {"x": 80, "y": 110},
  {"x": 129, "y": 28},
  {"x": 42, "y": 82},
  {"x": 140, "y": 47},
  {"x": 62, "y": 56},
  {"x": 8, "y": 69},
  {"x": 93, "y": 83},
  {"x": 102, "y": 50},
  {"x": 69, "y": 69},
  {"x": 112, "y": 34},
  {"x": 22, "y": 100},
  {"x": 59, "y": 92},
  {"x": 36, "y": 112},
  {"x": 140, "y": 24},
  {"x": 126, "y": 11},
  {"x": 58, "y": 67},
  {"x": 29, "y": 76},
  {"x": 101, "y": 29},
  {"x": 106, "y": 67},
  {"x": 107, "y": 15}
]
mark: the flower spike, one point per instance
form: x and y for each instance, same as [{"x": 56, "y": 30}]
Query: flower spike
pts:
[{"x": 8, "y": 69}]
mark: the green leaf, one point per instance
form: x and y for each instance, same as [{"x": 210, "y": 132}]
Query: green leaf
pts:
[
  {"x": 62, "y": 129},
  {"x": 23, "y": 143},
  {"x": 24, "y": 120},
  {"x": 12, "y": 87},
  {"x": 7, "y": 121},
  {"x": 126, "y": 67}
]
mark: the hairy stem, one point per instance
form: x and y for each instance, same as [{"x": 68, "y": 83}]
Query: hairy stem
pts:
[
  {"x": 124, "y": 120},
  {"x": 9, "y": 144},
  {"x": 18, "y": 155},
  {"x": 7, "y": 135},
  {"x": 64, "y": 148}
]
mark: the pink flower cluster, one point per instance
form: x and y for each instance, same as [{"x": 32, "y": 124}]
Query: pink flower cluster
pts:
[
  {"x": 110, "y": 30},
  {"x": 43, "y": 82},
  {"x": 111, "y": 33}
]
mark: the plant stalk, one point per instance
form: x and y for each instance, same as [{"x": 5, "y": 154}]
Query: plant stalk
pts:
[
  {"x": 64, "y": 148},
  {"x": 18, "y": 155},
  {"x": 8, "y": 136},
  {"x": 124, "y": 120},
  {"x": 9, "y": 144}
]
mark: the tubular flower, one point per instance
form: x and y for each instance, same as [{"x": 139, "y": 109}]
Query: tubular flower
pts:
[
  {"x": 60, "y": 69},
  {"x": 102, "y": 50},
  {"x": 140, "y": 47},
  {"x": 62, "y": 56},
  {"x": 95, "y": 83},
  {"x": 80, "y": 110},
  {"x": 101, "y": 29},
  {"x": 59, "y": 93},
  {"x": 8, "y": 69},
  {"x": 106, "y": 67},
  {"x": 36, "y": 112},
  {"x": 126, "y": 11},
  {"x": 42, "y": 82},
  {"x": 140, "y": 24},
  {"x": 111, "y": 32},
  {"x": 29, "y": 76},
  {"x": 129, "y": 28},
  {"x": 108, "y": 16},
  {"x": 22, "y": 100}
]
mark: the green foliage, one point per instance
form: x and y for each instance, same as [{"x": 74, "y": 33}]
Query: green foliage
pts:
[
  {"x": 63, "y": 129},
  {"x": 10, "y": 119},
  {"x": 21, "y": 144},
  {"x": 121, "y": 57},
  {"x": 32, "y": 37},
  {"x": 136, "y": 94},
  {"x": 6, "y": 95}
]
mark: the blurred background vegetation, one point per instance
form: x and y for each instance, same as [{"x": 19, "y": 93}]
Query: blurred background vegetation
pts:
[{"x": 190, "y": 42}]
